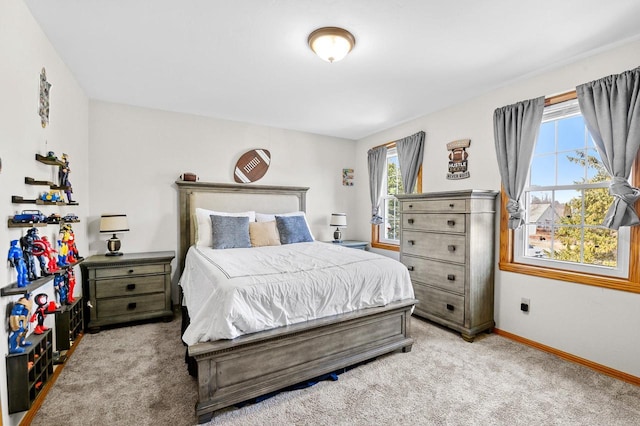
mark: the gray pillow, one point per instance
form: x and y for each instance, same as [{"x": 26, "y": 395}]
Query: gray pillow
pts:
[
  {"x": 230, "y": 232},
  {"x": 293, "y": 229}
]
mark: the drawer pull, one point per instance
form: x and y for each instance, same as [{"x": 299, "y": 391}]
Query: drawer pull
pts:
[
  {"x": 131, "y": 287},
  {"x": 410, "y": 242},
  {"x": 131, "y": 306},
  {"x": 452, "y": 205},
  {"x": 451, "y": 277},
  {"x": 410, "y": 268},
  {"x": 451, "y": 222},
  {"x": 410, "y": 221},
  {"x": 410, "y": 206},
  {"x": 450, "y": 307},
  {"x": 451, "y": 248},
  {"x": 130, "y": 271}
]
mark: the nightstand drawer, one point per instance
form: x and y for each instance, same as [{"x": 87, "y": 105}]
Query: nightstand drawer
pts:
[
  {"x": 130, "y": 306},
  {"x": 129, "y": 286},
  {"x": 439, "y": 222},
  {"x": 129, "y": 270},
  {"x": 447, "y": 276},
  {"x": 440, "y": 303}
]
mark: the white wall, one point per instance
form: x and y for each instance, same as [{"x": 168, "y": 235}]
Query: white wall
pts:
[
  {"x": 593, "y": 323},
  {"x": 24, "y": 50},
  {"x": 136, "y": 155}
]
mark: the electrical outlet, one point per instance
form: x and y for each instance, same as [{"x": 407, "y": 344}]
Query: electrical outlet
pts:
[{"x": 525, "y": 305}]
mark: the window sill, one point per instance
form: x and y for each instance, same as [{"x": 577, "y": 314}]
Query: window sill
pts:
[
  {"x": 574, "y": 277},
  {"x": 383, "y": 246}
]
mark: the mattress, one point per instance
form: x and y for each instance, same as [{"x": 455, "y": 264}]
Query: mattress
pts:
[{"x": 232, "y": 292}]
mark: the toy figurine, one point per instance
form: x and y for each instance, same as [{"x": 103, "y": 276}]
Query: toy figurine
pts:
[
  {"x": 71, "y": 242},
  {"x": 63, "y": 177},
  {"x": 42, "y": 300},
  {"x": 68, "y": 240},
  {"x": 52, "y": 264},
  {"x": 71, "y": 283},
  {"x": 18, "y": 325},
  {"x": 62, "y": 254},
  {"x": 16, "y": 260},
  {"x": 39, "y": 251},
  {"x": 60, "y": 285},
  {"x": 26, "y": 243}
]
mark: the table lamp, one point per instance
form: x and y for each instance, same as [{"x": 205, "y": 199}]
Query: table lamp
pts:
[
  {"x": 112, "y": 224},
  {"x": 339, "y": 220}
]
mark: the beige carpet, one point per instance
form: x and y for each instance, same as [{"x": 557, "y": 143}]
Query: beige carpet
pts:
[{"x": 136, "y": 376}]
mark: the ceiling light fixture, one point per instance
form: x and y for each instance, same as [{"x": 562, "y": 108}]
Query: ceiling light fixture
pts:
[{"x": 331, "y": 43}]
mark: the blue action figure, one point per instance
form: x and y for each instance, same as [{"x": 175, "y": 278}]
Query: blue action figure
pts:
[
  {"x": 17, "y": 261},
  {"x": 19, "y": 325},
  {"x": 26, "y": 242},
  {"x": 60, "y": 285}
]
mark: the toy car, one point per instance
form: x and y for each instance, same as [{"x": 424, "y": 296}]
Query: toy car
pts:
[
  {"x": 71, "y": 217},
  {"x": 27, "y": 216},
  {"x": 53, "y": 218},
  {"x": 51, "y": 196}
]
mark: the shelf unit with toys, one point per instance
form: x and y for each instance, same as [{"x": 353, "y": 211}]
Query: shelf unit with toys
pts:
[
  {"x": 29, "y": 371},
  {"x": 69, "y": 327}
]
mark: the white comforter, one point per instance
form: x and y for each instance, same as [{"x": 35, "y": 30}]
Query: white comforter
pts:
[{"x": 237, "y": 291}]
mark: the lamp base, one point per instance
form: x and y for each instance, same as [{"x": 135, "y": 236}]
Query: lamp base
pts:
[
  {"x": 337, "y": 236},
  {"x": 113, "y": 245}
]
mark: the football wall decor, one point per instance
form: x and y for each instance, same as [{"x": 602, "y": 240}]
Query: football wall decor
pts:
[{"x": 252, "y": 165}]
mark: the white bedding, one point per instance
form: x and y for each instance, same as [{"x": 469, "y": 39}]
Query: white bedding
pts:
[{"x": 237, "y": 291}]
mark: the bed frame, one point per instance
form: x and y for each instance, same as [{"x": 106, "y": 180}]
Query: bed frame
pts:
[{"x": 249, "y": 366}]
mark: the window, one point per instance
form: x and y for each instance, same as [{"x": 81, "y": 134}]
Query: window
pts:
[
  {"x": 565, "y": 201},
  {"x": 387, "y": 234}
]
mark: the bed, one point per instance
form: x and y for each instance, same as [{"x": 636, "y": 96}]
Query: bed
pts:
[{"x": 236, "y": 363}]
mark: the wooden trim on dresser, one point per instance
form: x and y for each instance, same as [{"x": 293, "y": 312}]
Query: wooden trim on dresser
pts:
[{"x": 616, "y": 374}]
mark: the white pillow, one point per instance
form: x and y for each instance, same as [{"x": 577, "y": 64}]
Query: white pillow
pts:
[
  {"x": 268, "y": 217},
  {"x": 204, "y": 230}
]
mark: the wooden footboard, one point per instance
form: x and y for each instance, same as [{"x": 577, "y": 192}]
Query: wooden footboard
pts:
[{"x": 233, "y": 371}]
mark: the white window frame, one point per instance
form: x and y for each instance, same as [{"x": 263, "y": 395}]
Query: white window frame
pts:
[
  {"x": 567, "y": 109},
  {"x": 391, "y": 152}
]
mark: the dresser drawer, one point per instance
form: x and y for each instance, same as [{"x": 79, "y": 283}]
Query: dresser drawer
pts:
[
  {"x": 448, "y": 276},
  {"x": 439, "y": 303},
  {"x": 434, "y": 222},
  {"x": 435, "y": 246},
  {"x": 129, "y": 270},
  {"x": 132, "y": 286},
  {"x": 434, "y": 206},
  {"x": 130, "y": 306}
]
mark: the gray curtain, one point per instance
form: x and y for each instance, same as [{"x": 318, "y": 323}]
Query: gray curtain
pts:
[
  {"x": 377, "y": 158},
  {"x": 611, "y": 108},
  {"x": 410, "y": 153},
  {"x": 515, "y": 130}
]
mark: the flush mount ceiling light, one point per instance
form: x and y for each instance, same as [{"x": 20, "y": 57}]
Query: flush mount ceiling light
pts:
[{"x": 331, "y": 43}]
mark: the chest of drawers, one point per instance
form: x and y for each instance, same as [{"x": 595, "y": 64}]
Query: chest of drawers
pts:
[
  {"x": 447, "y": 243},
  {"x": 125, "y": 288}
]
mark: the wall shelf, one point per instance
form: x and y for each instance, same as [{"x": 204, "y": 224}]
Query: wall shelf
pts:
[
  {"x": 49, "y": 161},
  {"x": 12, "y": 224},
  {"x": 14, "y": 290},
  {"x": 32, "y": 181}
]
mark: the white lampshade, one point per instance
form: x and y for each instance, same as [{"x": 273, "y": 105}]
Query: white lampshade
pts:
[
  {"x": 339, "y": 220},
  {"x": 331, "y": 43},
  {"x": 113, "y": 223}
]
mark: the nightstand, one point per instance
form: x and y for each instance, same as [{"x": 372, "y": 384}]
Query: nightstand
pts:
[
  {"x": 360, "y": 245},
  {"x": 120, "y": 289}
]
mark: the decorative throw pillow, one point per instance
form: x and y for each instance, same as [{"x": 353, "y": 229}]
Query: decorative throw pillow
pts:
[
  {"x": 264, "y": 234},
  {"x": 268, "y": 217},
  {"x": 293, "y": 229},
  {"x": 230, "y": 232},
  {"x": 203, "y": 223}
]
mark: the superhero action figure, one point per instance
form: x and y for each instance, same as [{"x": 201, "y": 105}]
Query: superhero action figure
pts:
[
  {"x": 63, "y": 177},
  {"x": 16, "y": 260},
  {"x": 27, "y": 245},
  {"x": 60, "y": 286},
  {"x": 50, "y": 253},
  {"x": 44, "y": 308},
  {"x": 18, "y": 325},
  {"x": 71, "y": 283}
]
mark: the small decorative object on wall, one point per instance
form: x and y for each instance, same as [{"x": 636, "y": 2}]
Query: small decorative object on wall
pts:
[
  {"x": 43, "y": 110},
  {"x": 189, "y": 177},
  {"x": 347, "y": 177},
  {"x": 252, "y": 165},
  {"x": 458, "y": 159}
]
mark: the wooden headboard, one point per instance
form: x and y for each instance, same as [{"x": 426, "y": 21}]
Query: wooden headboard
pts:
[{"x": 226, "y": 197}]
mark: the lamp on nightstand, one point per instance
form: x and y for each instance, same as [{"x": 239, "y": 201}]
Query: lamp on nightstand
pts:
[
  {"x": 112, "y": 224},
  {"x": 339, "y": 220}
]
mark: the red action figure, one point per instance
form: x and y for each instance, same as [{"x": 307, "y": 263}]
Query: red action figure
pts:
[{"x": 44, "y": 308}]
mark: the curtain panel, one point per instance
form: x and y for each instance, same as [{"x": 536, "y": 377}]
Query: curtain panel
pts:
[
  {"x": 611, "y": 108},
  {"x": 515, "y": 129},
  {"x": 410, "y": 154},
  {"x": 377, "y": 159}
]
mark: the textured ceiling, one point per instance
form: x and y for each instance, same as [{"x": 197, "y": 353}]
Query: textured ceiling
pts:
[{"x": 248, "y": 60}]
